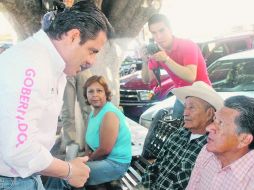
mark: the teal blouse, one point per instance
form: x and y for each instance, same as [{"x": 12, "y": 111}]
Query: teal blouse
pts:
[{"x": 121, "y": 151}]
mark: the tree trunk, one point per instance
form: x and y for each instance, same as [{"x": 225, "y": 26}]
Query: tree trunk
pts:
[
  {"x": 24, "y": 15},
  {"x": 129, "y": 16},
  {"x": 126, "y": 16}
]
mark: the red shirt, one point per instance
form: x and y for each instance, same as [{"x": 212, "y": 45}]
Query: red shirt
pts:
[{"x": 186, "y": 52}]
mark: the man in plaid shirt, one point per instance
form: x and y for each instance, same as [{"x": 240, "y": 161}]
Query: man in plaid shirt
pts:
[{"x": 172, "y": 168}]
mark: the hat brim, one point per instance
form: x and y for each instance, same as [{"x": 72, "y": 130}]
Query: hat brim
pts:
[{"x": 206, "y": 94}]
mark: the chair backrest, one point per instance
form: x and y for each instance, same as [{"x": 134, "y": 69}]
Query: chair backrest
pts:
[{"x": 159, "y": 131}]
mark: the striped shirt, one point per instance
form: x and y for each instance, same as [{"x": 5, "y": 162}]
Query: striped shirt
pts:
[
  {"x": 175, "y": 161},
  {"x": 208, "y": 173}
]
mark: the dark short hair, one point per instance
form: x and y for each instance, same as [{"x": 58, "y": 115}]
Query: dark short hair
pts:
[
  {"x": 245, "y": 121},
  {"x": 101, "y": 80},
  {"x": 155, "y": 18},
  {"x": 84, "y": 16}
]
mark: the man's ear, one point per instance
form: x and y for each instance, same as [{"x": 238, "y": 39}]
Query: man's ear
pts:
[
  {"x": 210, "y": 113},
  {"x": 73, "y": 35},
  {"x": 245, "y": 139}
]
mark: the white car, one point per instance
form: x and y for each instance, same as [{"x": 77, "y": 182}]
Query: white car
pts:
[{"x": 230, "y": 75}]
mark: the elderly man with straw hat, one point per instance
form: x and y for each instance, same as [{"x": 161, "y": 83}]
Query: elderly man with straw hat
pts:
[{"x": 174, "y": 164}]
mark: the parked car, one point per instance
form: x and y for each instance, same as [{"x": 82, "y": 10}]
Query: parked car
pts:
[
  {"x": 136, "y": 96},
  {"x": 4, "y": 46},
  {"x": 231, "y": 75},
  {"x": 132, "y": 87},
  {"x": 130, "y": 65},
  {"x": 216, "y": 48}
]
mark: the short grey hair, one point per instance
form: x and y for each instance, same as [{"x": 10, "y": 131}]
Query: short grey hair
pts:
[{"x": 245, "y": 121}]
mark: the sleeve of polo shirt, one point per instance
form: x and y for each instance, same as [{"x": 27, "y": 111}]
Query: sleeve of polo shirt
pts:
[
  {"x": 19, "y": 148},
  {"x": 190, "y": 53},
  {"x": 195, "y": 174}
]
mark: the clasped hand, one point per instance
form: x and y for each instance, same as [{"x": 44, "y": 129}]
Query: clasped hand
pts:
[
  {"x": 80, "y": 172},
  {"x": 155, "y": 60}
]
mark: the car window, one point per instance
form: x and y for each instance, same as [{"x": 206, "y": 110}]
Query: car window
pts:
[
  {"x": 232, "y": 75},
  {"x": 216, "y": 53},
  {"x": 237, "y": 46}
]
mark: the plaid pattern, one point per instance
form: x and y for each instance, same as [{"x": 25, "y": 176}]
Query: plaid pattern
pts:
[
  {"x": 208, "y": 174},
  {"x": 175, "y": 161}
]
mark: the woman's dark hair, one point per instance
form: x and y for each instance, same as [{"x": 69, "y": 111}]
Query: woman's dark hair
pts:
[
  {"x": 101, "y": 80},
  {"x": 84, "y": 16}
]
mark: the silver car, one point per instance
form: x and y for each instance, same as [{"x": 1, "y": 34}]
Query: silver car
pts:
[{"x": 230, "y": 75}]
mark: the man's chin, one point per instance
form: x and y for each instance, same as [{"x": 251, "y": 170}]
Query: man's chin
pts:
[
  {"x": 187, "y": 126},
  {"x": 84, "y": 67},
  {"x": 209, "y": 147},
  {"x": 164, "y": 45}
]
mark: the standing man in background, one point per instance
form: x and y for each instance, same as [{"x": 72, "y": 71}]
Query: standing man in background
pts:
[
  {"x": 73, "y": 91},
  {"x": 31, "y": 102},
  {"x": 182, "y": 59}
]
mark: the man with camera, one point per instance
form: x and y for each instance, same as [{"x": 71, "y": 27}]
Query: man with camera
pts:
[{"x": 182, "y": 59}]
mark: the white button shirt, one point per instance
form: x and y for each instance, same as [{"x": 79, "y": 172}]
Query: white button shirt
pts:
[{"x": 32, "y": 83}]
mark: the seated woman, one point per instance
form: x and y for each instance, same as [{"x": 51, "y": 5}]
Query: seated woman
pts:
[{"x": 107, "y": 135}]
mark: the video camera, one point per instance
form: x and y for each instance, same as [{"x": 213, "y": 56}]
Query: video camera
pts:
[{"x": 53, "y": 5}]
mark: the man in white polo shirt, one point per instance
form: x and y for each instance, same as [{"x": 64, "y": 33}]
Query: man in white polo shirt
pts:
[{"x": 31, "y": 101}]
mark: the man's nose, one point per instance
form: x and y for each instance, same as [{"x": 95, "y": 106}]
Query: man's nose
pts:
[
  {"x": 185, "y": 112},
  {"x": 92, "y": 59},
  {"x": 157, "y": 37},
  {"x": 95, "y": 93}
]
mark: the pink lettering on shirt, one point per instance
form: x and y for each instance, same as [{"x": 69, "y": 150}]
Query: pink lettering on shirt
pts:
[{"x": 23, "y": 106}]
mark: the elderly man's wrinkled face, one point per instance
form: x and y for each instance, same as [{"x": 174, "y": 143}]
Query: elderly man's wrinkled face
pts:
[
  {"x": 197, "y": 115},
  {"x": 223, "y": 137}
]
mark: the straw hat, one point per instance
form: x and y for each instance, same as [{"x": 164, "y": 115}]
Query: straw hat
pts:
[{"x": 200, "y": 90}]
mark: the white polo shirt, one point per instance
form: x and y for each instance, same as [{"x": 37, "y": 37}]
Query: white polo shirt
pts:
[{"x": 32, "y": 83}]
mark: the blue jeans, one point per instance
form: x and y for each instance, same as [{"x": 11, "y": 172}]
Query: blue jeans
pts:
[
  {"x": 18, "y": 183},
  {"x": 178, "y": 109},
  {"x": 102, "y": 171},
  {"x": 105, "y": 170}
]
